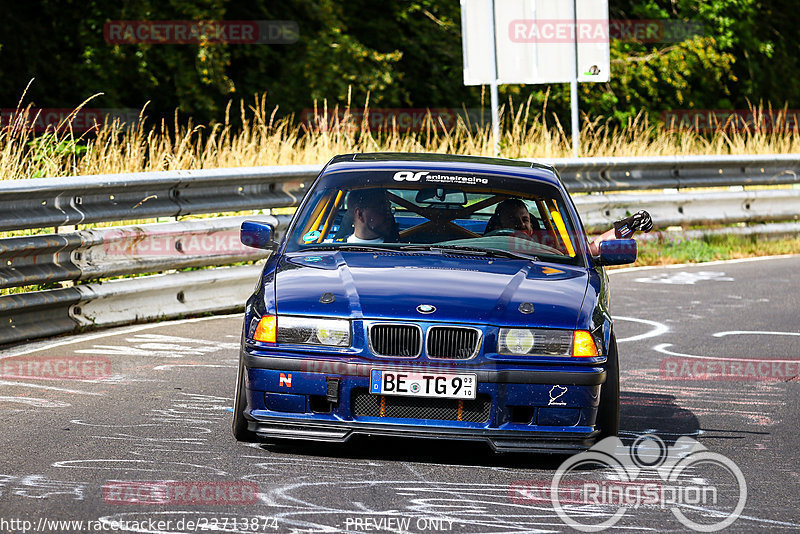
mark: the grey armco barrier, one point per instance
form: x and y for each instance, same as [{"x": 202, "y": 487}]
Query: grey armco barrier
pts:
[{"x": 91, "y": 255}]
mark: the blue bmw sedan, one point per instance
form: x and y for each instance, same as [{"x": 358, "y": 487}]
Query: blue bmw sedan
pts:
[{"x": 431, "y": 296}]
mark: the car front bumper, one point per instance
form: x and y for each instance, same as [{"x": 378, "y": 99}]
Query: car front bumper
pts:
[{"x": 531, "y": 409}]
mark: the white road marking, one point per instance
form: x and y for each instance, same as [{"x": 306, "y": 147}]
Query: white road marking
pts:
[
  {"x": 705, "y": 263},
  {"x": 658, "y": 329},
  {"x": 685, "y": 278},
  {"x": 662, "y": 348},
  {"x": 152, "y": 466},
  {"x": 748, "y": 517},
  {"x": 754, "y": 332},
  {"x": 53, "y": 388},
  {"x": 116, "y": 332},
  {"x": 39, "y": 403},
  {"x": 175, "y": 365}
]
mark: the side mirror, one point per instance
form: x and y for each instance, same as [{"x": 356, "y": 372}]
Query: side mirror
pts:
[
  {"x": 617, "y": 252},
  {"x": 257, "y": 235}
]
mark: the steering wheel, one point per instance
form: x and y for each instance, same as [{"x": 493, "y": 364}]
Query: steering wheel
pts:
[{"x": 508, "y": 232}]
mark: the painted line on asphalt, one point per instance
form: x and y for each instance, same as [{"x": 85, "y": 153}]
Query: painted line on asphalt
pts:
[
  {"x": 662, "y": 348},
  {"x": 754, "y": 332},
  {"x": 116, "y": 332},
  {"x": 175, "y": 365},
  {"x": 701, "y": 264},
  {"x": 51, "y": 388},
  {"x": 658, "y": 329}
]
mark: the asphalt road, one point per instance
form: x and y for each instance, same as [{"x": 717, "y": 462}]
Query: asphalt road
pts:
[{"x": 708, "y": 352}]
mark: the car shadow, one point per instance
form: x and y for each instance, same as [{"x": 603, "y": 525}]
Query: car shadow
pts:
[
  {"x": 652, "y": 413},
  {"x": 640, "y": 413}
]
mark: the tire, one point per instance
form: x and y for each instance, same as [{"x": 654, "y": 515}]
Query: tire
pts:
[
  {"x": 608, "y": 411},
  {"x": 239, "y": 427}
]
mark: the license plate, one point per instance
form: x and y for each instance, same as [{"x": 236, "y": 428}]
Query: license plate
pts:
[{"x": 446, "y": 386}]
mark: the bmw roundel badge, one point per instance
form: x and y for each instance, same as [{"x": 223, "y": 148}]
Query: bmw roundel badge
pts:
[{"x": 426, "y": 308}]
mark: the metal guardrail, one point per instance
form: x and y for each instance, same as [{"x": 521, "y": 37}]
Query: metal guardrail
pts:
[
  {"x": 58, "y": 311},
  {"x": 147, "y": 248},
  {"x": 675, "y": 172},
  {"x": 669, "y": 209},
  {"x": 44, "y": 202},
  {"x": 106, "y": 252}
]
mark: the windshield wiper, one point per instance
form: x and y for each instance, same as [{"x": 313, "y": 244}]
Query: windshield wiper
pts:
[
  {"x": 346, "y": 246},
  {"x": 480, "y": 251}
]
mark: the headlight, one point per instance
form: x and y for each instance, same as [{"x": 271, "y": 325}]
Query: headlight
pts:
[
  {"x": 307, "y": 330},
  {"x": 516, "y": 340},
  {"x": 535, "y": 342}
]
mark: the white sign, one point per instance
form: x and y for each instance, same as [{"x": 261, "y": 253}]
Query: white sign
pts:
[{"x": 536, "y": 41}]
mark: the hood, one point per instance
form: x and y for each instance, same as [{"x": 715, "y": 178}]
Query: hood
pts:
[{"x": 463, "y": 289}]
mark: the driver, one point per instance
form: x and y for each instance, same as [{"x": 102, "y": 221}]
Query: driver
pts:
[
  {"x": 511, "y": 213},
  {"x": 373, "y": 221}
]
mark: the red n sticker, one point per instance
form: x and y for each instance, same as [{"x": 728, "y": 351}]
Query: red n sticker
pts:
[{"x": 285, "y": 380}]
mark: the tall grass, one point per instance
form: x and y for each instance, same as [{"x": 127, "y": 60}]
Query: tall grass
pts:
[{"x": 259, "y": 137}]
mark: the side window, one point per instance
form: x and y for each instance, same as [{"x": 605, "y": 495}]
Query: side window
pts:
[
  {"x": 536, "y": 217},
  {"x": 322, "y": 225},
  {"x": 558, "y": 226}
]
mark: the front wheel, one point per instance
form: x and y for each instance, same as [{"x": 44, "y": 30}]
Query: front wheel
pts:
[
  {"x": 608, "y": 411},
  {"x": 240, "y": 431}
]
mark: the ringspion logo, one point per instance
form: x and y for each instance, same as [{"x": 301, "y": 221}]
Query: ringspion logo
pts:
[{"x": 705, "y": 491}]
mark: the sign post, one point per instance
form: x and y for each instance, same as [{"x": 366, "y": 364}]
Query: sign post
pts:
[
  {"x": 573, "y": 90},
  {"x": 493, "y": 82},
  {"x": 535, "y": 42}
]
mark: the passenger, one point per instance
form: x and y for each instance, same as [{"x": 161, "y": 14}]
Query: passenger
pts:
[
  {"x": 373, "y": 221},
  {"x": 512, "y": 214},
  {"x": 623, "y": 229}
]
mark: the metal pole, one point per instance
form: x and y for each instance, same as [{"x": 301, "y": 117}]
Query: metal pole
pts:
[
  {"x": 573, "y": 88},
  {"x": 573, "y": 104},
  {"x": 493, "y": 85},
  {"x": 495, "y": 120}
]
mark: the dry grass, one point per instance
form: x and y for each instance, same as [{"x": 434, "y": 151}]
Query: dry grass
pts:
[{"x": 260, "y": 138}]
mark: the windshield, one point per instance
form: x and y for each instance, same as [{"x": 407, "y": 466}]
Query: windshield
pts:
[{"x": 363, "y": 211}]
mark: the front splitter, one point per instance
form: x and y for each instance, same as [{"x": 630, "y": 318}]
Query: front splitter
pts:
[{"x": 499, "y": 440}]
